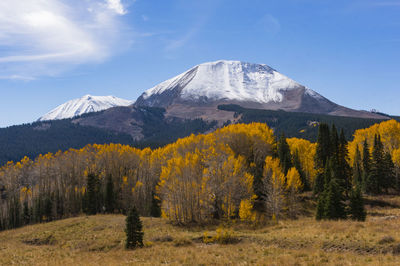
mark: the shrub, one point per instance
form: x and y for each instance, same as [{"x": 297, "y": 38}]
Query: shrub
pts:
[{"x": 386, "y": 240}]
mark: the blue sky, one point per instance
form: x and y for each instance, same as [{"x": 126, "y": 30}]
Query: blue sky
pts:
[{"x": 52, "y": 51}]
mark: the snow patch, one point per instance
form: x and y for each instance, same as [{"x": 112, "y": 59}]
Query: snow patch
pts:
[
  {"x": 83, "y": 105},
  {"x": 230, "y": 80}
]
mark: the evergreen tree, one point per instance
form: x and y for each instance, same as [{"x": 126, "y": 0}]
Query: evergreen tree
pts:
[
  {"x": 14, "y": 209},
  {"x": 344, "y": 170},
  {"x": 48, "y": 208},
  {"x": 388, "y": 172},
  {"x": 334, "y": 208},
  {"x": 319, "y": 183},
  {"x": 133, "y": 230},
  {"x": 376, "y": 176},
  {"x": 59, "y": 205},
  {"x": 91, "y": 194},
  {"x": 110, "y": 195},
  {"x": 320, "y": 214},
  {"x": 283, "y": 150},
  {"x": 155, "y": 210},
  {"x": 334, "y": 143},
  {"x": 357, "y": 171},
  {"x": 357, "y": 210},
  {"x": 366, "y": 166},
  {"x": 323, "y": 150}
]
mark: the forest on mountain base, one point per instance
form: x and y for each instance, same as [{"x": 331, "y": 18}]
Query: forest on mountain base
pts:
[{"x": 240, "y": 172}]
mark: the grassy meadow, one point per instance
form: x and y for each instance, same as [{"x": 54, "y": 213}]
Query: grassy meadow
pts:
[{"x": 99, "y": 240}]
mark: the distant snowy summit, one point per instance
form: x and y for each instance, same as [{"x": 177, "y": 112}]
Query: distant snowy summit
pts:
[
  {"x": 83, "y": 105},
  {"x": 234, "y": 82},
  {"x": 228, "y": 80}
]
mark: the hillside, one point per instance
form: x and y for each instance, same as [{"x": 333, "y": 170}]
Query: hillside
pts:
[
  {"x": 95, "y": 240},
  {"x": 152, "y": 127}
]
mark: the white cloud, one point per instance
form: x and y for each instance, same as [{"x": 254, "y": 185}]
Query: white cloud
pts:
[
  {"x": 46, "y": 37},
  {"x": 117, "y": 6}
]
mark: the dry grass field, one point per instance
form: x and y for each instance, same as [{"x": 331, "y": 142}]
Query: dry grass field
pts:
[{"x": 99, "y": 240}]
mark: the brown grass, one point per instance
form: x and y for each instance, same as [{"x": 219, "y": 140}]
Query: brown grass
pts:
[{"x": 99, "y": 240}]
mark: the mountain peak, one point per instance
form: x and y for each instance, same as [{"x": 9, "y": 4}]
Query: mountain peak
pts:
[
  {"x": 226, "y": 80},
  {"x": 85, "y": 104},
  {"x": 250, "y": 85}
]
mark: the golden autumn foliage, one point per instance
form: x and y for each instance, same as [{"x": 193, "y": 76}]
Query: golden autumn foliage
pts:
[
  {"x": 274, "y": 186},
  {"x": 390, "y": 137},
  {"x": 293, "y": 181},
  {"x": 197, "y": 178},
  {"x": 306, "y": 151}
]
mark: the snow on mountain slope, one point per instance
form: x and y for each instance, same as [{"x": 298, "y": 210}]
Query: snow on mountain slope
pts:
[
  {"x": 230, "y": 80},
  {"x": 86, "y": 104},
  {"x": 198, "y": 91}
]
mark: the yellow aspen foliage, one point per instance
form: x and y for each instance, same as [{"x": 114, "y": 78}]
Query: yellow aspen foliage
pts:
[
  {"x": 389, "y": 132},
  {"x": 293, "y": 186},
  {"x": 293, "y": 181},
  {"x": 273, "y": 186},
  {"x": 246, "y": 212},
  {"x": 306, "y": 151}
]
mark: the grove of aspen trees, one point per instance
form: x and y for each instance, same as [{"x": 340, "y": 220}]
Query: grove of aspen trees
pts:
[{"x": 241, "y": 171}]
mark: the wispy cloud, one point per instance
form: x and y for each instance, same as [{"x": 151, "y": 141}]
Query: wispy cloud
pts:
[{"x": 46, "y": 37}]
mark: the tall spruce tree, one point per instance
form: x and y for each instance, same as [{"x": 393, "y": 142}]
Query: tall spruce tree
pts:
[
  {"x": 366, "y": 165},
  {"x": 155, "y": 210},
  {"x": 133, "y": 230},
  {"x": 357, "y": 170},
  {"x": 334, "y": 143},
  {"x": 320, "y": 213},
  {"x": 91, "y": 194},
  {"x": 376, "y": 176},
  {"x": 344, "y": 169},
  {"x": 323, "y": 150},
  {"x": 284, "y": 155},
  {"x": 334, "y": 208},
  {"x": 388, "y": 181},
  {"x": 357, "y": 210}
]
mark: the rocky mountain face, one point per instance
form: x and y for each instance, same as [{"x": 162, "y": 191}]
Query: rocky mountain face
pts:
[{"x": 198, "y": 91}]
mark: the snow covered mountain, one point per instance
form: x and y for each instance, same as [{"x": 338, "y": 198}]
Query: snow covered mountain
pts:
[
  {"x": 234, "y": 82},
  {"x": 83, "y": 105}
]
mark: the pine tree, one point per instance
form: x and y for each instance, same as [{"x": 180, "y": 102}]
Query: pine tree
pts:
[
  {"x": 388, "y": 172},
  {"x": 344, "y": 170},
  {"x": 284, "y": 154},
  {"x": 375, "y": 180},
  {"x": 334, "y": 208},
  {"x": 357, "y": 171},
  {"x": 110, "y": 195},
  {"x": 319, "y": 183},
  {"x": 133, "y": 230},
  {"x": 48, "y": 208},
  {"x": 357, "y": 210},
  {"x": 155, "y": 210},
  {"x": 91, "y": 194},
  {"x": 366, "y": 166},
  {"x": 323, "y": 150},
  {"x": 334, "y": 143}
]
